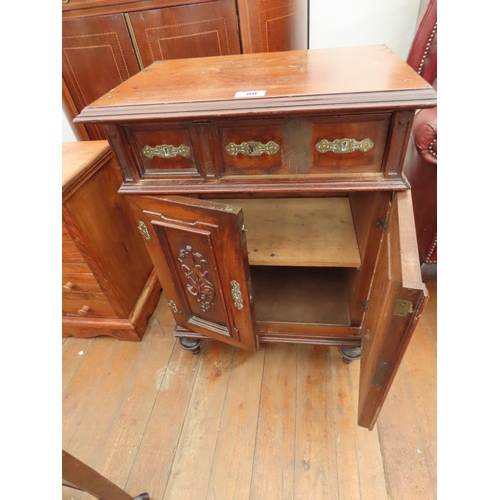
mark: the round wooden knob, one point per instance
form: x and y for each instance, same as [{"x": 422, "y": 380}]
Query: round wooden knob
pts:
[
  {"x": 84, "y": 311},
  {"x": 68, "y": 287},
  {"x": 65, "y": 1}
]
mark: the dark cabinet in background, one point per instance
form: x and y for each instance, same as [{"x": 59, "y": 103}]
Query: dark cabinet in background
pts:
[{"x": 105, "y": 42}]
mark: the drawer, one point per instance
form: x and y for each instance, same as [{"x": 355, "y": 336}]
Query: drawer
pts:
[
  {"x": 70, "y": 252},
  {"x": 75, "y": 268},
  {"x": 250, "y": 147},
  {"x": 348, "y": 144},
  {"x": 79, "y": 282},
  {"x": 165, "y": 150},
  {"x": 96, "y": 302}
]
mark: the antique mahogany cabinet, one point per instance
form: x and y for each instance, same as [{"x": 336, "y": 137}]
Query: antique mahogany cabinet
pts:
[
  {"x": 109, "y": 285},
  {"x": 269, "y": 192},
  {"x": 104, "y": 42}
]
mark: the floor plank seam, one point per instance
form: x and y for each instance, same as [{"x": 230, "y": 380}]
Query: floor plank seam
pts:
[
  {"x": 188, "y": 404},
  {"x": 230, "y": 369},
  {"x": 94, "y": 390},
  {"x": 257, "y": 427},
  {"x": 150, "y": 414}
]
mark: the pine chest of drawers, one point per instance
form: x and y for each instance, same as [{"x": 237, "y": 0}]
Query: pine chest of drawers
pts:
[
  {"x": 109, "y": 286},
  {"x": 269, "y": 191}
]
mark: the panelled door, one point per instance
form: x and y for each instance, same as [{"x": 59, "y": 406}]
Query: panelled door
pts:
[
  {"x": 199, "y": 251},
  {"x": 396, "y": 300}
]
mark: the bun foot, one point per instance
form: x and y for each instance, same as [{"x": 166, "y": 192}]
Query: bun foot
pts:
[
  {"x": 189, "y": 344},
  {"x": 350, "y": 354}
]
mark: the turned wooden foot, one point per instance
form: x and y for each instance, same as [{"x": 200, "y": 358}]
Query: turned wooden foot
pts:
[
  {"x": 350, "y": 354},
  {"x": 192, "y": 345}
]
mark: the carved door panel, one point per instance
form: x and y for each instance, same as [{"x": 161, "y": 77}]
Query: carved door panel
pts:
[
  {"x": 392, "y": 315},
  {"x": 200, "y": 254},
  {"x": 200, "y": 30}
]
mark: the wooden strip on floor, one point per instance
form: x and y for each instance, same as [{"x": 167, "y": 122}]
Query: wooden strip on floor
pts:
[
  {"x": 360, "y": 464},
  {"x": 315, "y": 444},
  {"x": 274, "y": 458},
  {"x": 153, "y": 463},
  {"x": 195, "y": 450},
  {"x": 232, "y": 466}
]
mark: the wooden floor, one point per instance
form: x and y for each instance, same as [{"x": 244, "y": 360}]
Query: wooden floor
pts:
[{"x": 226, "y": 424}]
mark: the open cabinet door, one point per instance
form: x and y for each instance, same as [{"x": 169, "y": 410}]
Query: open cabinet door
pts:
[
  {"x": 199, "y": 252},
  {"x": 396, "y": 300}
]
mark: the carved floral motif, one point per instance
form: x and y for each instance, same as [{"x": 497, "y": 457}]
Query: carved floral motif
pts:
[{"x": 197, "y": 283}]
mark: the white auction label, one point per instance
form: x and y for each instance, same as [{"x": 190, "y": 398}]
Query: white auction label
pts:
[{"x": 250, "y": 93}]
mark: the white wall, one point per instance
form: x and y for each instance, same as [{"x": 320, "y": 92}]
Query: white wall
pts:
[
  {"x": 363, "y": 22},
  {"x": 346, "y": 24}
]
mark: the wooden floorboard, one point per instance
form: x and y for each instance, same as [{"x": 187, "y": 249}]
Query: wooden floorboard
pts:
[{"x": 228, "y": 424}]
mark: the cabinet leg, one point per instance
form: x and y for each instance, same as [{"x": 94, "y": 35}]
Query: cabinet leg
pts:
[
  {"x": 350, "y": 354},
  {"x": 192, "y": 345}
]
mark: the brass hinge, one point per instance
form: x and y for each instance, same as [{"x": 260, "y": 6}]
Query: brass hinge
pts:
[
  {"x": 364, "y": 305},
  {"x": 382, "y": 223},
  {"x": 173, "y": 306},
  {"x": 381, "y": 374},
  {"x": 237, "y": 23},
  {"x": 403, "y": 308}
]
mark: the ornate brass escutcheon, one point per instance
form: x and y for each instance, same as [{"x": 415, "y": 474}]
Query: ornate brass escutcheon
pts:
[
  {"x": 236, "y": 293},
  {"x": 345, "y": 145},
  {"x": 144, "y": 230},
  {"x": 252, "y": 148},
  {"x": 166, "y": 151}
]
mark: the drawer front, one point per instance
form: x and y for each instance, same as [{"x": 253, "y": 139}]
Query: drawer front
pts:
[
  {"x": 70, "y": 252},
  {"x": 79, "y": 282},
  {"x": 87, "y": 304},
  {"x": 250, "y": 147},
  {"x": 348, "y": 144},
  {"x": 165, "y": 151}
]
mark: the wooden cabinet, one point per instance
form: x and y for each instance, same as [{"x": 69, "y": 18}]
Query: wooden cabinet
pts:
[
  {"x": 109, "y": 286},
  {"x": 105, "y": 42},
  {"x": 282, "y": 215}
]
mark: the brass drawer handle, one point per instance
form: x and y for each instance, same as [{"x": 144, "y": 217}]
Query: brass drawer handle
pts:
[
  {"x": 252, "y": 148},
  {"x": 166, "y": 151},
  {"x": 84, "y": 311},
  {"x": 345, "y": 145}
]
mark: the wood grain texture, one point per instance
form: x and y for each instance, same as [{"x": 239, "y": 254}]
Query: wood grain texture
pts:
[
  {"x": 299, "y": 232},
  {"x": 380, "y": 464},
  {"x": 270, "y": 25},
  {"x": 274, "y": 457},
  {"x": 311, "y": 76}
]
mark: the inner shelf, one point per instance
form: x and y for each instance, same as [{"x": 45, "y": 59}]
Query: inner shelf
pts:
[{"x": 313, "y": 232}]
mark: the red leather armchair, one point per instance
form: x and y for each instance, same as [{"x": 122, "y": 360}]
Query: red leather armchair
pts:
[{"x": 421, "y": 158}]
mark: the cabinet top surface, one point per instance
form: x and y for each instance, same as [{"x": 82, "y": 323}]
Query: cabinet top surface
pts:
[
  {"x": 78, "y": 158},
  {"x": 368, "y": 76}
]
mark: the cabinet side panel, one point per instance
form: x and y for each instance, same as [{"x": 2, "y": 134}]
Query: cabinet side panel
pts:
[{"x": 114, "y": 249}]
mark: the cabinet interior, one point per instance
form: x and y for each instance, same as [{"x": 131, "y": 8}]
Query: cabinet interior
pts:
[{"x": 302, "y": 253}]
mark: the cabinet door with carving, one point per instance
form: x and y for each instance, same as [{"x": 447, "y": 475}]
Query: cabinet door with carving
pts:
[
  {"x": 199, "y": 30},
  {"x": 392, "y": 315},
  {"x": 199, "y": 252}
]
